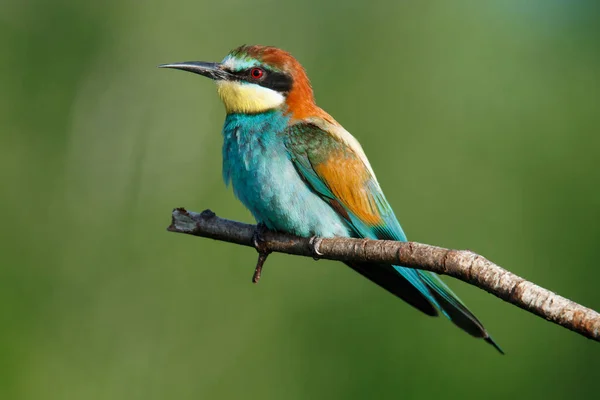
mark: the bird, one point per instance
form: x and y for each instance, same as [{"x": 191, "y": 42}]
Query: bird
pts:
[{"x": 297, "y": 170}]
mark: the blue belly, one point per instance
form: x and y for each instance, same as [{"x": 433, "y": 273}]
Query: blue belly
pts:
[{"x": 263, "y": 177}]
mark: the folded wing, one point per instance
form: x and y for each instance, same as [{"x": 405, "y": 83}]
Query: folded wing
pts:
[{"x": 333, "y": 164}]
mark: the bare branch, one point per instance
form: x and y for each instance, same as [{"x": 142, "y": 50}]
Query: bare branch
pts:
[{"x": 461, "y": 264}]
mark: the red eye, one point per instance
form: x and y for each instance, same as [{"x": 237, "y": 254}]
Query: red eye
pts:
[{"x": 256, "y": 73}]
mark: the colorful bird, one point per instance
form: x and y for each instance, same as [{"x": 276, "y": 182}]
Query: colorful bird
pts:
[{"x": 299, "y": 171}]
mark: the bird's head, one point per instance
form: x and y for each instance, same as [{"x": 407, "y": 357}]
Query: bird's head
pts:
[{"x": 254, "y": 79}]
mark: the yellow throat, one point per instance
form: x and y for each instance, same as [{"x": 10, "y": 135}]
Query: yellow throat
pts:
[{"x": 241, "y": 97}]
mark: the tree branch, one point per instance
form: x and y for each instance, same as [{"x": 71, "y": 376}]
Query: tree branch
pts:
[{"x": 461, "y": 264}]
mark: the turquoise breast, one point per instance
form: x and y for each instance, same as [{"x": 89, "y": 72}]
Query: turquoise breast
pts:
[{"x": 256, "y": 162}]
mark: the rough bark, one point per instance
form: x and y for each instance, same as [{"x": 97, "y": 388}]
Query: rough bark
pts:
[{"x": 461, "y": 264}]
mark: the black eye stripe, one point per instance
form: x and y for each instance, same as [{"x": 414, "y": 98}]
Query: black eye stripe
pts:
[{"x": 278, "y": 81}]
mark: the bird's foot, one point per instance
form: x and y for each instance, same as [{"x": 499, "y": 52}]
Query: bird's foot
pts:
[
  {"x": 315, "y": 242},
  {"x": 261, "y": 247},
  {"x": 258, "y": 240}
]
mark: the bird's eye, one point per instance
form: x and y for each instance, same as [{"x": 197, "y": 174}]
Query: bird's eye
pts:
[{"x": 256, "y": 73}]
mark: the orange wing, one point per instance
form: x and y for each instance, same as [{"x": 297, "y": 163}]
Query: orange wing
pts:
[
  {"x": 349, "y": 181},
  {"x": 338, "y": 170}
]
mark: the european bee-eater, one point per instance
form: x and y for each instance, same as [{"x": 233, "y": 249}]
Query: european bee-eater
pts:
[{"x": 299, "y": 171}]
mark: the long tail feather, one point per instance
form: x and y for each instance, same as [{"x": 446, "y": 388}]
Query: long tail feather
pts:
[
  {"x": 453, "y": 308},
  {"x": 426, "y": 292}
]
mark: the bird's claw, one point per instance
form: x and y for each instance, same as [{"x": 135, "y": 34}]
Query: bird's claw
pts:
[
  {"x": 258, "y": 240},
  {"x": 261, "y": 247},
  {"x": 315, "y": 242}
]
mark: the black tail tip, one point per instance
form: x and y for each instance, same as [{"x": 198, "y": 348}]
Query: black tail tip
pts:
[{"x": 491, "y": 341}]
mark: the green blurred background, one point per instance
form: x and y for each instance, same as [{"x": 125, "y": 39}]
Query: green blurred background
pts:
[{"x": 480, "y": 118}]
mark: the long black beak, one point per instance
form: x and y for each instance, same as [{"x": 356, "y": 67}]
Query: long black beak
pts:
[{"x": 210, "y": 70}]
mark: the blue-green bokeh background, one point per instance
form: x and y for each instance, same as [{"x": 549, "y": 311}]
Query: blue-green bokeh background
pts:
[{"x": 480, "y": 118}]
